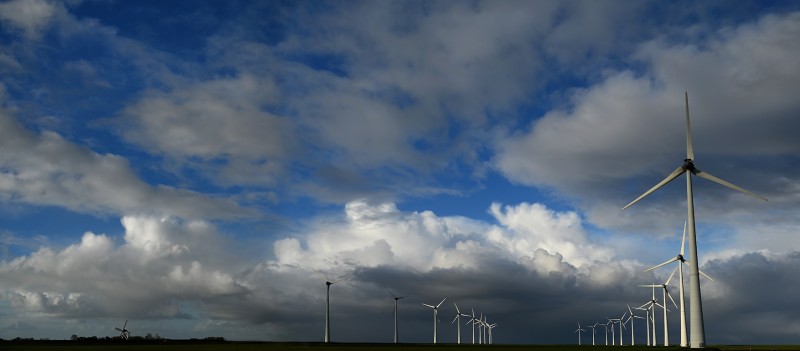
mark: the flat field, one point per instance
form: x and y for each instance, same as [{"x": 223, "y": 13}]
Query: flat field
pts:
[{"x": 279, "y": 346}]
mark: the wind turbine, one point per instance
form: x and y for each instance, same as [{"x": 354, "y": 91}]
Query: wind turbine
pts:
[
  {"x": 124, "y": 333},
  {"x": 646, "y": 322},
  {"x": 579, "y": 331},
  {"x": 680, "y": 260},
  {"x": 666, "y": 294},
  {"x": 605, "y": 327},
  {"x": 457, "y": 320},
  {"x": 472, "y": 323},
  {"x": 593, "y": 331},
  {"x": 491, "y": 326},
  {"x": 435, "y": 316},
  {"x": 621, "y": 325},
  {"x": 328, "y": 283},
  {"x": 395, "y": 313},
  {"x": 613, "y": 336},
  {"x": 650, "y": 306},
  {"x": 632, "y": 318},
  {"x": 698, "y": 335}
]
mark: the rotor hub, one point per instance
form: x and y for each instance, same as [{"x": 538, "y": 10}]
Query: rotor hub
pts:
[{"x": 688, "y": 165}]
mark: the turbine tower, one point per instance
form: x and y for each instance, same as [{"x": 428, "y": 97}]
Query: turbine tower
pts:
[
  {"x": 395, "y": 313},
  {"x": 435, "y": 316},
  {"x": 328, "y": 284},
  {"x": 698, "y": 336}
]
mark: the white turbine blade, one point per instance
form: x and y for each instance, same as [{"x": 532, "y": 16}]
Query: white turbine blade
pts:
[
  {"x": 117, "y": 329},
  {"x": 650, "y": 286},
  {"x": 677, "y": 172},
  {"x": 454, "y": 319},
  {"x": 629, "y": 310},
  {"x": 457, "y": 310},
  {"x": 683, "y": 241},
  {"x": 425, "y": 304},
  {"x": 689, "y": 148},
  {"x": 672, "y": 274},
  {"x": 712, "y": 178},
  {"x": 440, "y": 303},
  {"x": 671, "y": 299},
  {"x": 661, "y": 265},
  {"x": 706, "y": 275},
  {"x": 659, "y": 305}
]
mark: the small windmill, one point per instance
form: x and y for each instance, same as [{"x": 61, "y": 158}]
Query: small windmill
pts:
[{"x": 124, "y": 333}]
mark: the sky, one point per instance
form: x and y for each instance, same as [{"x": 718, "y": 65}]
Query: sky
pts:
[{"x": 200, "y": 168}]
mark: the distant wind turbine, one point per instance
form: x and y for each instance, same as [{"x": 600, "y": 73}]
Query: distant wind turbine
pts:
[
  {"x": 328, "y": 284},
  {"x": 457, "y": 320},
  {"x": 491, "y": 326},
  {"x": 579, "y": 331},
  {"x": 666, "y": 294},
  {"x": 435, "y": 316},
  {"x": 395, "y": 312},
  {"x": 650, "y": 306},
  {"x": 593, "y": 331},
  {"x": 682, "y": 307},
  {"x": 632, "y": 318},
  {"x": 698, "y": 336}
]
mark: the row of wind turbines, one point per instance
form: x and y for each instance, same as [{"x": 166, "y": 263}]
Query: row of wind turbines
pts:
[
  {"x": 484, "y": 327},
  {"x": 697, "y": 332}
]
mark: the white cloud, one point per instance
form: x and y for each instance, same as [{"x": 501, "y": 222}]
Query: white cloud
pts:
[
  {"x": 46, "y": 169},
  {"x": 31, "y": 16}
]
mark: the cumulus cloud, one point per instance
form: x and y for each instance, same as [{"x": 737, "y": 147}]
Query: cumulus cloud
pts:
[{"x": 46, "y": 169}]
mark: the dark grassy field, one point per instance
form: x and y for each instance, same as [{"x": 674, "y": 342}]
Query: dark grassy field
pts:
[{"x": 174, "y": 345}]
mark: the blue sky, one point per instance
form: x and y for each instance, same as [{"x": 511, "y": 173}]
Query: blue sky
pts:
[{"x": 195, "y": 167}]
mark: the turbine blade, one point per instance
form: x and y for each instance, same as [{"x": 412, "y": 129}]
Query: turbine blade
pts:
[
  {"x": 712, "y": 178},
  {"x": 390, "y": 293},
  {"x": 671, "y": 299},
  {"x": 683, "y": 241},
  {"x": 650, "y": 286},
  {"x": 661, "y": 265},
  {"x": 440, "y": 303},
  {"x": 672, "y": 274},
  {"x": 457, "y": 310},
  {"x": 454, "y": 319},
  {"x": 425, "y": 304},
  {"x": 125, "y": 325},
  {"x": 677, "y": 172},
  {"x": 706, "y": 275},
  {"x": 689, "y": 148}
]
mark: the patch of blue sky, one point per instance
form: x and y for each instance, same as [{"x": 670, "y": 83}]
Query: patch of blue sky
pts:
[{"x": 59, "y": 227}]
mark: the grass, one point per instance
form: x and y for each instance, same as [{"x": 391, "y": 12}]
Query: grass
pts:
[{"x": 178, "y": 345}]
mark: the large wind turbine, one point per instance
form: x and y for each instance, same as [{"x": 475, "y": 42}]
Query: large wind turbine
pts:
[
  {"x": 395, "y": 313},
  {"x": 328, "y": 283},
  {"x": 491, "y": 326},
  {"x": 698, "y": 336},
  {"x": 435, "y": 316}
]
